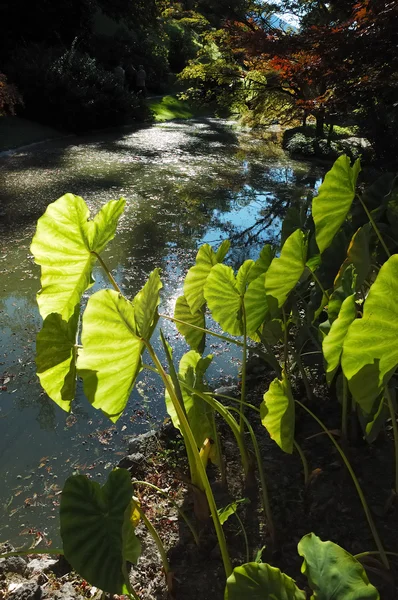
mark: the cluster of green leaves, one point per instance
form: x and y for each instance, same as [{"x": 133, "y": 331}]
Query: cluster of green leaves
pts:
[{"x": 331, "y": 286}]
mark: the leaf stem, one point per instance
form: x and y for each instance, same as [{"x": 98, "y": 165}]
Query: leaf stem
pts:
[
  {"x": 131, "y": 591},
  {"x": 357, "y": 486},
  {"x": 344, "y": 410},
  {"x": 373, "y": 553},
  {"x": 303, "y": 461},
  {"x": 324, "y": 292},
  {"x": 107, "y": 272},
  {"x": 209, "y": 331},
  {"x": 180, "y": 511},
  {"x": 395, "y": 432},
  {"x": 156, "y": 539},
  {"x": 375, "y": 228},
  {"x": 243, "y": 385},
  {"x": 29, "y": 551},
  {"x": 245, "y": 536},
  {"x": 192, "y": 451}
]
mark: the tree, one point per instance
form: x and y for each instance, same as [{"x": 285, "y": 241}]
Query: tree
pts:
[{"x": 9, "y": 97}]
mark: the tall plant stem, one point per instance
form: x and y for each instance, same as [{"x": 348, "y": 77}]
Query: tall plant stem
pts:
[
  {"x": 107, "y": 272},
  {"x": 131, "y": 592},
  {"x": 375, "y": 553},
  {"x": 375, "y": 228},
  {"x": 344, "y": 411},
  {"x": 285, "y": 348},
  {"x": 180, "y": 511},
  {"x": 200, "y": 469},
  {"x": 225, "y": 338},
  {"x": 156, "y": 539},
  {"x": 244, "y": 359},
  {"x": 303, "y": 461},
  {"x": 324, "y": 292},
  {"x": 357, "y": 486},
  {"x": 264, "y": 487},
  {"x": 245, "y": 537},
  {"x": 228, "y": 418},
  {"x": 217, "y": 442},
  {"x": 395, "y": 432},
  {"x": 304, "y": 377}
]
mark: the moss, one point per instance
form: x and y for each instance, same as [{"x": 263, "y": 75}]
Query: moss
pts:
[{"x": 171, "y": 107}]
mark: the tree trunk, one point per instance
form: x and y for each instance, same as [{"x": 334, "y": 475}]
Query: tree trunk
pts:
[
  {"x": 330, "y": 133},
  {"x": 320, "y": 121}
]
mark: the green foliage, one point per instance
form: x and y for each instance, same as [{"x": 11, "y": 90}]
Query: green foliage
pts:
[
  {"x": 285, "y": 271},
  {"x": 260, "y": 581},
  {"x": 278, "y": 414},
  {"x": 334, "y": 199},
  {"x": 332, "y": 345},
  {"x": 334, "y": 573},
  {"x": 97, "y": 529}
]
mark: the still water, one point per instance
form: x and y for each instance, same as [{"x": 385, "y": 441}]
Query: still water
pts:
[{"x": 185, "y": 183}]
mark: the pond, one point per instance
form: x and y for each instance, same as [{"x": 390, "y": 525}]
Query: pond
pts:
[{"x": 185, "y": 183}]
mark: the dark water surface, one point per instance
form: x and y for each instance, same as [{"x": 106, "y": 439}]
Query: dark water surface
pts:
[{"x": 185, "y": 183}]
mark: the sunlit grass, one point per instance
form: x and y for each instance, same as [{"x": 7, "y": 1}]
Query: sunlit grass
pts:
[{"x": 170, "y": 107}]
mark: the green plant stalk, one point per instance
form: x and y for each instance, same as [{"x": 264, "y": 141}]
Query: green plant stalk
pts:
[
  {"x": 244, "y": 366},
  {"x": 395, "y": 432},
  {"x": 357, "y": 486},
  {"x": 285, "y": 347},
  {"x": 173, "y": 373},
  {"x": 233, "y": 400},
  {"x": 269, "y": 356},
  {"x": 324, "y": 292},
  {"x": 264, "y": 488},
  {"x": 344, "y": 410},
  {"x": 209, "y": 331},
  {"x": 107, "y": 272},
  {"x": 131, "y": 591},
  {"x": 156, "y": 538},
  {"x": 180, "y": 511},
  {"x": 245, "y": 537},
  {"x": 373, "y": 553},
  {"x": 200, "y": 469},
  {"x": 304, "y": 462},
  {"x": 228, "y": 418},
  {"x": 217, "y": 442},
  {"x": 304, "y": 377},
  {"x": 375, "y": 228}
]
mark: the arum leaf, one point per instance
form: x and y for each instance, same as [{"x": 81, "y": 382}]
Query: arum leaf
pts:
[
  {"x": 145, "y": 305},
  {"x": 192, "y": 369},
  {"x": 223, "y": 250},
  {"x": 94, "y": 530},
  {"x": 365, "y": 386},
  {"x": 278, "y": 415},
  {"x": 130, "y": 543},
  {"x": 56, "y": 358},
  {"x": 285, "y": 271},
  {"x": 223, "y": 299},
  {"x": 196, "y": 277},
  {"x": 332, "y": 345},
  {"x": 345, "y": 287},
  {"x": 260, "y": 581},
  {"x": 230, "y": 509},
  {"x": 111, "y": 357},
  {"x": 243, "y": 276},
  {"x": 333, "y": 573},
  {"x": 374, "y": 337},
  {"x": 262, "y": 263},
  {"x": 334, "y": 199},
  {"x": 194, "y": 338},
  {"x": 358, "y": 254},
  {"x": 63, "y": 246},
  {"x": 256, "y": 306}
]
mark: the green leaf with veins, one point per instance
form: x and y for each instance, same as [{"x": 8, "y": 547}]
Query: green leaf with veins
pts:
[
  {"x": 260, "y": 581},
  {"x": 336, "y": 194},
  {"x": 194, "y": 338},
  {"x": 63, "y": 246},
  {"x": 277, "y": 413},
  {"x": 56, "y": 358}
]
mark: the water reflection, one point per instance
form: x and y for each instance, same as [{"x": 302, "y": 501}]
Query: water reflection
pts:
[{"x": 184, "y": 183}]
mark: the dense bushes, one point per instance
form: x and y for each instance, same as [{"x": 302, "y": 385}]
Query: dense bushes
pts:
[{"x": 71, "y": 90}]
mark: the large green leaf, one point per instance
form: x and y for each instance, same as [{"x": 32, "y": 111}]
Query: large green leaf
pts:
[
  {"x": 278, "y": 415},
  {"x": 111, "y": 357},
  {"x": 97, "y": 537},
  {"x": 256, "y": 306},
  {"x": 334, "y": 199},
  {"x": 223, "y": 299},
  {"x": 333, "y": 573},
  {"x": 196, "y": 277},
  {"x": 192, "y": 369},
  {"x": 262, "y": 263},
  {"x": 63, "y": 246},
  {"x": 374, "y": 337},
  {"x": 194, "y": 338},
  {"x": 230, "y": 509},
  {"x": 243, "y": 276},
  {"x": 145, "y": 306},
  {"x": 285, "y": 271},
  {"x": 332, "y": 344},
  {"x": 260, "y": 581},
  {"x": 345, "y": 286},
  {"x": 56, "y": 358}
]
